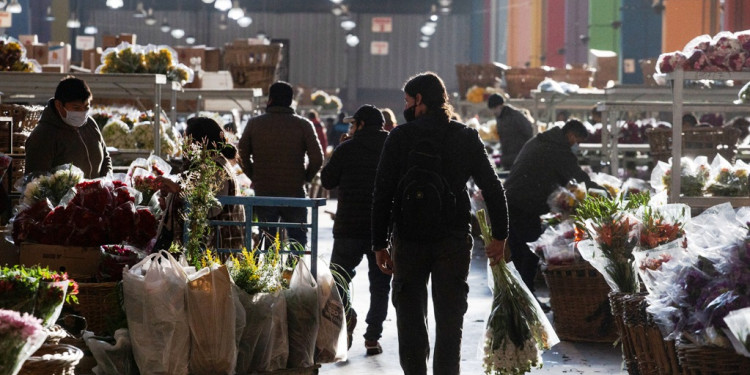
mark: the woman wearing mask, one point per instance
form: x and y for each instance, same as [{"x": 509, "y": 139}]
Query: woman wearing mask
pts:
[{"x": 67, "y": 134}]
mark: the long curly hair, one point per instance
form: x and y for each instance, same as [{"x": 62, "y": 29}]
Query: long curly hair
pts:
[{"x": 434, "y": 94}]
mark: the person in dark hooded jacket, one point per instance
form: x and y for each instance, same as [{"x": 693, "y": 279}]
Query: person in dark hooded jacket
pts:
[
  {"x": 67, "y": 134},
  {"x": 352, "y": 169},
  {"x": 545, "y": 162}
]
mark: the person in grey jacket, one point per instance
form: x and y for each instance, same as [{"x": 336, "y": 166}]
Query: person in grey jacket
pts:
[
  {"x": 67, "y": 134},
  {"x": 513, "y": 128},
  {"x": 352, "y": 169},
  {"x": 272, "y": 152}
]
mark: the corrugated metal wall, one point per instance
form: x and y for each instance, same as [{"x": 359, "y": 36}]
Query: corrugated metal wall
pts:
[{"x": 318, "y": 51}]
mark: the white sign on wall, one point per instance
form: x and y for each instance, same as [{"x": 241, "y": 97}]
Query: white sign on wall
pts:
[
  {"x": 84, "y": 42},
  {"x": 5, "y": 20},
  {"x": 382, "y": 24},
  {"x": 379, "y": 48}
]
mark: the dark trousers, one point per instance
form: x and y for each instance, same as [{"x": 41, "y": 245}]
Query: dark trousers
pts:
[
  {"x": 286, "y": 215},
  {"x": 523, "y": 227},
  {"x": 346, "y": 256},
  {"x": 447, "y": 262}
]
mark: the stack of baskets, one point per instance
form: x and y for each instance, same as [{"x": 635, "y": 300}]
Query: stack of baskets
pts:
[
  {"x": 578, "y": 297},
  {"x": 253, "y": 66},
  {"x": 51, "y": 359},
  {"x": 707, "y": 141},
  {"x": 482, "y": 75},
  {"x": 99, "y": 304},
  {"x": 710, "y": 360},
  {"x": 13, "y": 137}
]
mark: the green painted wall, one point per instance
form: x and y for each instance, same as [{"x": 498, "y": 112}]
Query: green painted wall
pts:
[{"x": 602, "y": 13}]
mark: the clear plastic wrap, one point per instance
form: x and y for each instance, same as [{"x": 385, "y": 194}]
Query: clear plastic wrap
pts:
[
  {"x": 303, "y": 316},
  {"x": 738, "y": 324},
  {"x": 556, "y": 246},
  {"x": 331, "y": 342},
  {"x": 727, "y": 180},
  {"x": 112, "y": 359}
]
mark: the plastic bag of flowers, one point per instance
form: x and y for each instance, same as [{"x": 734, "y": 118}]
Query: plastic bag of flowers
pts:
[
  {"x": 124, "y": 58},
  {"x": 517, "y": 329},
  {"x": 53, "y": 186},
  {"x": 112, "y": 358},
  {"x": 211, "y": 317},
  {"x": 738, "y": 324},
  {"x": 331, "y": 344},
  {"x": 715, "y": 226},
  {"x": 154, "y": 294},
  {"x": 556, "y": 246},
  {"x": 634, "y": 186},
  {"x": 20, "y": 336},
  {"x": 694, "y": 173},
  {"x": 565, "y": 199},
  {"x": 264, "y": 341},
  {"x": 727, "y": 180},
  {"x": 661, "y": 238},
  {"x": 303, "y": 316},
  {"x": 117, "y": 134},
  {"x": 609, "y": 182},
  {"x": 13, "y": 57}
]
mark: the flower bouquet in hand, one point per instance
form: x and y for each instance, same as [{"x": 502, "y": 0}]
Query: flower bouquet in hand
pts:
[
  {"x": 517, "y": 330},
  {"x": 20, "y": 336}
]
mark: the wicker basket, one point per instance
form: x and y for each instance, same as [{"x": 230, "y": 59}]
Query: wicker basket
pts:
[
  {"x": 578, "y": 296},
  {"x": 24, "y": 117},
  {"x": 253, "y": 66},
  {"x": 711, "y": 360},
  {"x": 520, "y": 81},
  {"x": 482, "y": 75},
  {"x": 707, "y": 141},
  {"x": 652, "y": 353},
  {"x": 62, "y": 360},
  {"x": 55, "y": 334},
  {"x": 98, "y": 303},
  {"x": 616, "y": 302}
]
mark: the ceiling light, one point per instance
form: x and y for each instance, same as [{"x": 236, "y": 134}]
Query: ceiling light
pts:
[
  {"x": 223, "y": 5},
  {"x": 433, "y": 17},
  {"x": 150, "y": 19},
  {"x": 140, "y": 12},
  {"x": 49, "y": 17},
  {"x": 236, "y": 12},
  {"x": 165, "y": 26},
  {"x": 337, "y": 1},
  {"x": 348, "y": 24},
  {"x": 208, "y": 1},
  {"x": 424, "y": 44},
  {"x": 444, "y": 3},
  {"x": 352, "y": 40},
  {"x": 190, "y": 39},
  {"x": 245, "y": 21},
  {"x": 427, "y": 29},
  {"x": 445, "y": 11},
  {"x": 223, "y": 22},
  {"x": 114, "y": 4},
  {"x": 14, "y": 7},
  {"x": 425, "y": 38},
  {"x": 178, "y": 33},
  {"x": 337, "y": 11},
  {"x": 3, "y": 3},
  {"x": 261, "y": 35},
  {"x": 73, "y": 22},
  {"x": 90, "y": 30}
]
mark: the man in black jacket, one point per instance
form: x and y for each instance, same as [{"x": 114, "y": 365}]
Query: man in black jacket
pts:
[
  {"x": 445, "y": 258},
  {"x": 513, "y": 128},
  {"x": 546, "y": 161},
  {"x": 352, "y": 169}
]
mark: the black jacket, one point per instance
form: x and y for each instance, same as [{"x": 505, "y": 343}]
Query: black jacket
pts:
[
  {"x": 545, "y": 162},
  {"x": 514, "y": 129},
  {"x": 352, "y": 169},
  {"x": 463, "y": 156}
]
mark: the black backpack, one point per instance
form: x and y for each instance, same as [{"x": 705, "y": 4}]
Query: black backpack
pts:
[{"x": 424, "y": 203}]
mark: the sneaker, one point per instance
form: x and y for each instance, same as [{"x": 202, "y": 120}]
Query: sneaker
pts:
[{"x": 373, "y": 347}]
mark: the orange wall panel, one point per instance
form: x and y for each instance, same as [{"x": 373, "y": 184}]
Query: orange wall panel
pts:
[
  {"x": 686, "y": 19},
  {"x": 520, "y": 32}
]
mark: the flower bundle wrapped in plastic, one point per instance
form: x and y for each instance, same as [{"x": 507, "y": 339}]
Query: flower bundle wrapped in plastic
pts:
[
  {"x": 20, "y": 336},
  {"x": 517, "y": 329},
  {"x": 695, "y": 173},
  {"x": 738, "y": 323},
  {"x": 556, "y": 246},
  {"x": 18, "y": 289},
  {"x": 114, "y": 258},
  {"x": 117, "y": 134},
  {"x": 661, "y": 239},
  {"x": 634, "y": 186},
  {"x": 609, "y": 182},
  {"x": 727, "y": 180},
  {"x": 127, "y": 58},
  {"x": 53, "y": 186},
  {"x": 13, "y": 57},
  {"x": 54, "y": 289},
  {"x": 564, "y": 200},
  {"x": 614, "y": 233}
]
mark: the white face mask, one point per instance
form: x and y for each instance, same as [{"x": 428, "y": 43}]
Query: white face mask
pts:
[{"x": 75, "y": 118}]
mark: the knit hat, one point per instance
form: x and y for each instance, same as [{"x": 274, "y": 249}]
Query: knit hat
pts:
[{"x": 495, "y": 100}]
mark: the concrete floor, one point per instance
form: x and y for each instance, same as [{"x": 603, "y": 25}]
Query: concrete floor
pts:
[{"x": 564, "y": 358}]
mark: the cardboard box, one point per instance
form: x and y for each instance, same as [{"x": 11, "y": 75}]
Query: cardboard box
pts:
[
  {"x": 212, "y": 62},
  {"x": 8, "y": 252},
  {"x": 221, "y": 80},
  {"x": 606, "y": 64},
  {"x": 109, "y": 41},
  {"x": 92, "y": 58},
  {"x": 38, "y": 52},
  {"x": 59, "y": 53},
  {"x": 52, "y": 68},
  {"x": 129, "y": 38},
  {"x": 78, "y": 262},
  {"x": 28, "y": 40}
]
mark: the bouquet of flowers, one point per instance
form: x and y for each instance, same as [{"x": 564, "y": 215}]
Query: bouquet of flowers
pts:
[
  {"x": 609, "y": 182},
  {"x": 613, "y": 233},
  {"x": 13, "y": 57},
  {"x": 258, "y": 273},
  {"x": 662, "y": 238},
  {"x": 127, "y": 58},
  {"x": 556, "y": 246},
  {"x": 18, "y": 289},
  {"x": 114, "y": 258},
  {"x": 54, "y": 289},
  {"x": 565, "y": 199},
  {"x": 517, "y": 330},
  {"x": 20, "y": 336},
  {"x": 694, "y": 174},
  {"x": 53, "y": 186},
  {"x": 117, "y": 134},
  {"x": 727, "y": 180}
]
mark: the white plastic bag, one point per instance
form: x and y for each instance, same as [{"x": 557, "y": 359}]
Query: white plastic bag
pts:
[
  {"x": 111, "y": 359},
  {"x": 331, "y": 344},
  {"x": 211, "y": 317},
  {"x": 264, "y": 344},
  {"x": 303, "y": 316},
  {"x": 155, "y": 306}
]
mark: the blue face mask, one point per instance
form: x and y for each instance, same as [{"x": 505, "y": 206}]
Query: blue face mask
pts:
[{"x": 574, "y": 148}]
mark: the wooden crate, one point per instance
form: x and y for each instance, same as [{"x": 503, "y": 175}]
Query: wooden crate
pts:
[{"x": 482, "y": 75}]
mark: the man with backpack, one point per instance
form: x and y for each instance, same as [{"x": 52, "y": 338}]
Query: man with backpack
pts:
[{"x": 420, "y": 204}]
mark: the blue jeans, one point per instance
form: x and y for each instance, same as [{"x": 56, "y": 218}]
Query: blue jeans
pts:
[
  {"x": 447, "y": 263},
  {"x": 286, "y": 215},
  {"x": 346, "y": 256}
]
